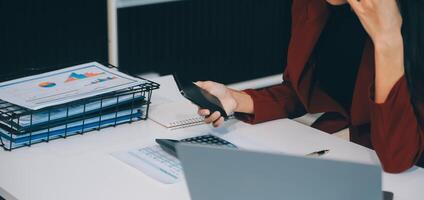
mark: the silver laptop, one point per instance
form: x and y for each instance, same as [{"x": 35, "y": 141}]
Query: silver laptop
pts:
[{"x": 219, "y": 173}]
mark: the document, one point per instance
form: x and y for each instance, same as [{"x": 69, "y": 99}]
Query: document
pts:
[
  {"x": 46, "y": 116},
  {"x": 153, "y": 162},
  {"x": 71, "y": 128},
  {"x": 65, "y": 85}
]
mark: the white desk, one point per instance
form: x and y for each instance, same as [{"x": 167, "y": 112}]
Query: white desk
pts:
[{"x": 80, "y": 167}]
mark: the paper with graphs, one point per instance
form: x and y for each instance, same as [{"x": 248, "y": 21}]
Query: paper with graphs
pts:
[{"x": 65, "y": 85}]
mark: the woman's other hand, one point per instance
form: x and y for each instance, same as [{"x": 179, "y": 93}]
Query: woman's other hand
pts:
[
  {"x": 225, "y": 97},
  {"x": 380, "y": 18},
  {"x": 383, "y": 22},
  {"x": 231, "y": 100}
]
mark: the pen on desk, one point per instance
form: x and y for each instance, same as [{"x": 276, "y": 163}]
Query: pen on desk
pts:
[{"x": 318, "y": 153}]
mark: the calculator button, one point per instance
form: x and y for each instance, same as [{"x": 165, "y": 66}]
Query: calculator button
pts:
[{"x": 208, "y": 140}]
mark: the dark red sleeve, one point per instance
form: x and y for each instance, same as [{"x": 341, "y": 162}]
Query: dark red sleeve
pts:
[
  {"x": 271, "y": 103},
  {"x": 396, "y": 132}
]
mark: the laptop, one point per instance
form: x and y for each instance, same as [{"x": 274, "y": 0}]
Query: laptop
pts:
[{"x": 214, "y": 173}]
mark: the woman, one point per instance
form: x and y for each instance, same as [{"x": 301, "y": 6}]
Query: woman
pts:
[{"x": 358, "y": 61}]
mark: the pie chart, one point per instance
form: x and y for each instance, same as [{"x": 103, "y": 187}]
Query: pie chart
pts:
[{"x": 47, "y": 84}]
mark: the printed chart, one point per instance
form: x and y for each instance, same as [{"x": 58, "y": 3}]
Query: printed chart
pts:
[{"x": 65, "y": 85}]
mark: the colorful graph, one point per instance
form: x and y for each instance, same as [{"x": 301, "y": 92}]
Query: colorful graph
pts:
[
  {"x": 75, "y": 76},
  {"x": 47, "y": 84},
  {"x": 100, "y": 80}
]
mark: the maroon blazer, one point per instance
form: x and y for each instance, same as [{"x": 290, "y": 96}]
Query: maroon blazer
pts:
[{"x": 391, "y": 128}]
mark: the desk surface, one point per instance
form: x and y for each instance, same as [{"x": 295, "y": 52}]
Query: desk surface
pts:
[{"x": 81, "y": 167}]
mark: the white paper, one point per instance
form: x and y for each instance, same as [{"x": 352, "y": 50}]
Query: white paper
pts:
[
  {"x": 153, "y": 162},
  {"x": 65, "y": 85},
  {"x": 176, "y": 115}
]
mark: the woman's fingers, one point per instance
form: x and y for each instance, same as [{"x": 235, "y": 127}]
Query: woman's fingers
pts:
[
  {"x": 355, "y": 5},
  {"x": 212, "y": 118},
  {"x": 203, "y": 112},
  {"x": 218, "y": 122},
  {"x": 206, "y": 85},
  {"x": 223, "y": 94},
  {"x": 216, "y": 119}
]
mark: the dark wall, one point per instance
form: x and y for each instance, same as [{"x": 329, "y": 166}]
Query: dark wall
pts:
[
  {"x": 45, "y": 33},
  {"x": 223, "y": 40}
]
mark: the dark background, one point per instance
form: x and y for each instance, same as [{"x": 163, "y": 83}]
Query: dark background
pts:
[
  {"x": 222, "y": 40},
  {"x": 48, "y": 33}
]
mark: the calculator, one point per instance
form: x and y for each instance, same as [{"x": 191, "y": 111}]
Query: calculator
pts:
[{"x": 209, "y": 140}]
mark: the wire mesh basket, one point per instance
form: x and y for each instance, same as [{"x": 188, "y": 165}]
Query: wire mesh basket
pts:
[{"x": 22, "y": 127}]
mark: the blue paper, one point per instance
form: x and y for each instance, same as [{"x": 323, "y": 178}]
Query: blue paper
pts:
[
  {"x": 71, "y": 128},
  {"x": 74, "y": 110}
]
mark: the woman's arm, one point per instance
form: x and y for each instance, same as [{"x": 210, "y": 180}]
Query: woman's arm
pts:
[
  {"x": 396, "y": 133},
  {"x": 389, "y": 65},
  {"x": 244, "y": 102},
  {"x": 276, "y": 102},
  {"x": 253, "y": 106},
  {"x": 382, "y": 20}
]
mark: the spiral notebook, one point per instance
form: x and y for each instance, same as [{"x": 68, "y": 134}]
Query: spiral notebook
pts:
[{"x": 176, "y": 115}]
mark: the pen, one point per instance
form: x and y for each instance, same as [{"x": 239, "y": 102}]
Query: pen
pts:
[{"x": 318, "y": 153}]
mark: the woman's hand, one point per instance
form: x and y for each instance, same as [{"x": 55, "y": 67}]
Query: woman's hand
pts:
[
  {"x": 383, "y": 22},
  {"x": 231, "y": 100},
  {"x": 380, "y": 18}
]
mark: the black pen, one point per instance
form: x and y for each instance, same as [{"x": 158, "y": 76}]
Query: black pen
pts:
[{"x": 318, "y": 153}]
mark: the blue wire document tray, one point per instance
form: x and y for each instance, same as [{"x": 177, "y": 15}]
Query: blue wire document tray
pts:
[{"x": 21, "y": 126}]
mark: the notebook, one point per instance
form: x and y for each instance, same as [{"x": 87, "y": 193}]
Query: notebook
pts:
[{"x": 176, "y": 115}]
